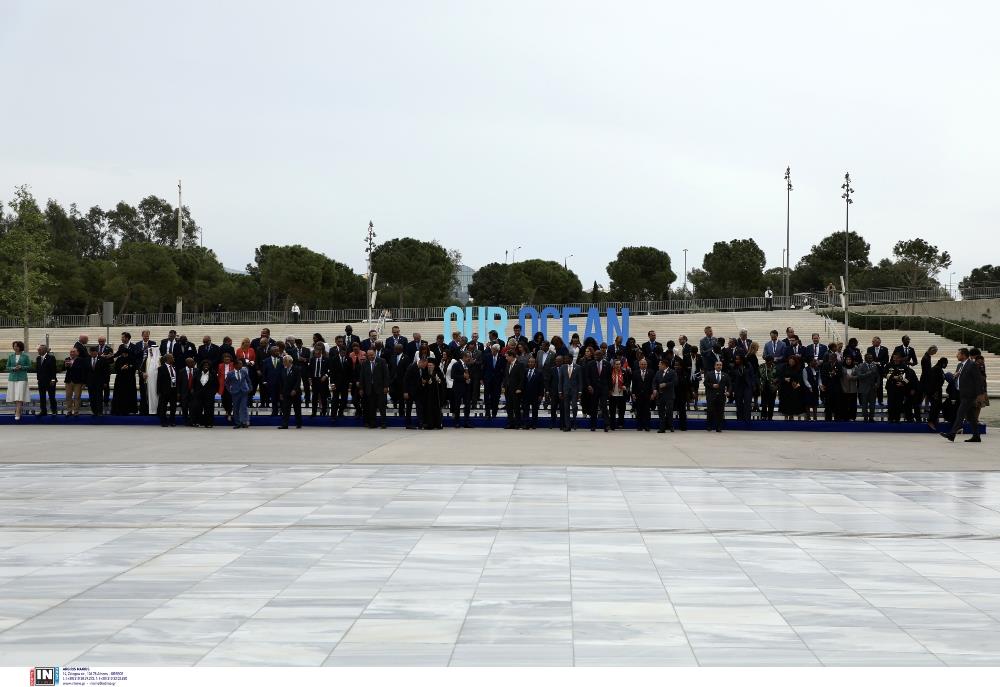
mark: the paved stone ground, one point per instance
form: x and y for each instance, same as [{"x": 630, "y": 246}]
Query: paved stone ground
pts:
[
  {"x": 481, "y": 446},
  {"x": 416, "y": 564}
]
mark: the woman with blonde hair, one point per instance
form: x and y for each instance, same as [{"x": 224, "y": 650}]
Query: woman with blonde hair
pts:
[{"x": 18, "y": 364}]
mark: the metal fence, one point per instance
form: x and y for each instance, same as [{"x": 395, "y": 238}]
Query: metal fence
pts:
[{"x": 807, "y": 300}]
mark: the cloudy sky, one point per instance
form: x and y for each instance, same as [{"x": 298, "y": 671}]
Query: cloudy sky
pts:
[{"x": 562, "y": 127}]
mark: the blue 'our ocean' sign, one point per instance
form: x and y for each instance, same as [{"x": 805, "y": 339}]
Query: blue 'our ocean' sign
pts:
[{"x": 549, "y": 321}]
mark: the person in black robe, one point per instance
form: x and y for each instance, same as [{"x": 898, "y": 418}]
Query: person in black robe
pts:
[
  {"x": 434, "y": 391},
  {"x": 206, "y": 383},
  {"x": 791, "y": 399},
  {"x": 124, "y": 401}
]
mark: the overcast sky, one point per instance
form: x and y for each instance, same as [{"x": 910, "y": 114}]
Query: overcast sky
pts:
[{"x": 563, "y": 127}]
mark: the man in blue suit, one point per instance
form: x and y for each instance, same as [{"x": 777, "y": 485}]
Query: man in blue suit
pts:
[
  {"x": 775, "y": 350},
  {"x": 815, "y": 350},
  {"x": 494, "y": 369},
  {"x": 570, "y": 382},
  {"x": 390, "y": 343}
]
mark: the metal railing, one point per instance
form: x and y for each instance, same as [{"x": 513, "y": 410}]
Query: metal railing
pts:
[{"x": 804, "y": 300}]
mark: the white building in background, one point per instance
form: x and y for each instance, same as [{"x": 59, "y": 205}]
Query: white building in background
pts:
[{"x": 464, "y": 278}]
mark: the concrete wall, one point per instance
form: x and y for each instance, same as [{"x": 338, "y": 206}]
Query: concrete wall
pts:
[{"x": 984, "y": 310}]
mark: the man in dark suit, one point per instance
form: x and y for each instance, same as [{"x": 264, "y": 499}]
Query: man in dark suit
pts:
[
  {"x": 396, "y": 338},
  {"x": 907, "y": 352},
  {"x": 461, "y": 392},
  {"x": 96, "y": 370},
  {"x": 412, "y": 398},
  {"x": 971, "y": 385},
  {"x": 571, "y": 378},
  {"x": 664, "y": 389},
  {"x": 476, "y": 342},
  {"x": 166, "y": 389},
  {"x": 413, "y": 346},
  {"x": 45, "y": 375},
  {"x": 517, "y": 338},
  {"x": 81, "y": 346},
  {"x": 318, "y": 369},
  {"x": 262, "y": 349},
  {"x": 534, "y": 392},
  {"x": 187, "y": 350},
  {"x": 398, "y": 364},
  {"x": 881, "y": 357},
  {"x": 743, "y": 342},
  {"x": 513, "y": 390},
  {"x": 370, "y": 341},
  {"x": 642, "y": 393},
  {"x": 717, "y": 387},
  {"x": 108, "y": 354},
  {"x": 270, "y": 385},
  {"x": 168, "y": 344},
  {"x": 373, "y": 385},
  {"x": 209, "y": 351},
  {"x": 651, "y": 348},
  {"x": 598, "y": 384},
  {"x": 552, "y": 392},
  {"x": 186, "y": 391},
  {"x": 494, "y": 368},
  {"x": 815, "y": 350},
  {"x": 291, "y": 392},
  {"x": 349, "y": 337},
  {"x": 545, "y": 358},
  {"x": 341, "y": 382}
]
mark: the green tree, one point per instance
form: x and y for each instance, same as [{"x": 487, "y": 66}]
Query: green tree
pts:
[
  {"x": 918, "y": 263},
  {"x": 413, "y": 273},
  {"x": 731, "y": 269},
  {"x": 488, "y": 284},
  {"x": 296, "y": 274},
  {"x": 824, "y": 263},
  {"x": 987, "y": 275},
  {"x": 640, "y": 273},
  {"x": 142, "y": 276},
  {"x": 595, "y": 293},
  {"x": 528, "y": 281},
  {"x": 24, "y": 251}
]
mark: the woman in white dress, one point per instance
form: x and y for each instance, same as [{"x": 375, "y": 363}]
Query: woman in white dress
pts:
[
  {"x": 152, "y": 368},
  {"x": 18, "y": 364}
]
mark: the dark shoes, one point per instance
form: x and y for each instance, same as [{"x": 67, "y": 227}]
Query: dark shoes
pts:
[
  {"x": 949, "y": 437},
  {"x": 973, "y": 439}
]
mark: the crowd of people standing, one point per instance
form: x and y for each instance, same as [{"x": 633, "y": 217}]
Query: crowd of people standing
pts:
[{"x": 181, "y": 382}]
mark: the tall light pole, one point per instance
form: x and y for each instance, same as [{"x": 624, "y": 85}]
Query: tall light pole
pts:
[
  {"x": 180, "y": 244},
  {"x": 788, "y": 234},
  {"x": 565, "y": 259},
  {"x": 370, "y": 278},
  {"x": 513, "y": 254},
  {"x": 951, "y": 294},
  {"x": 846, "y": 195},
  {"x": 684, "y": 289}
]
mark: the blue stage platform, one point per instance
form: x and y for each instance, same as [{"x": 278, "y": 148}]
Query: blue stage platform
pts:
[{"x": 778, "y": 425}]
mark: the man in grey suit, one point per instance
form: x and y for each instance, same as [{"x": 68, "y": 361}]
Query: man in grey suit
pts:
[
  {"x": 705, "y": 347},
  {"x": 570, "y": 382},
  {"x": 717, "y": 387},
  {"x": 546, "y": 359},
  {"x": 969, "y": 381}
]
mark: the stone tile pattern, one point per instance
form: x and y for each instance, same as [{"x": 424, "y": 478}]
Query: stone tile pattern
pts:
[{"x": 459, "y": 565}]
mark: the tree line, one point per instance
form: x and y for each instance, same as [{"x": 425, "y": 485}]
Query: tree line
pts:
[{"x": 56, "y": 260}]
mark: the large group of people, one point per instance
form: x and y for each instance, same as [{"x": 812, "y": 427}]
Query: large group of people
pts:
[{"x": 572, "y": 383}]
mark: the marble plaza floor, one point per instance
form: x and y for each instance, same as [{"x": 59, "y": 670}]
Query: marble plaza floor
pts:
[{"x": 144, "y": 562}]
